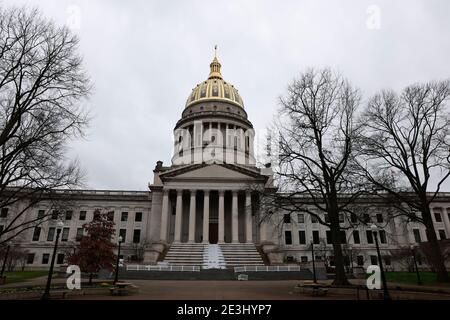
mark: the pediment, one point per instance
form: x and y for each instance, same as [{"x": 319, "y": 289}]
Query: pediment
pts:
[{"x": 212, "y": 172}]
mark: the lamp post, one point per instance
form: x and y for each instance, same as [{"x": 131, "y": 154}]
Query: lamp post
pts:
[
  {"x": 116, "y": 278},
  {"x": 313, "y": 261},
  {"x": 413, "y": 251},
  {"x": 383, "y": 278},
  {"x": 46, "y": 294},
  {"x": 4, "y": 261}
]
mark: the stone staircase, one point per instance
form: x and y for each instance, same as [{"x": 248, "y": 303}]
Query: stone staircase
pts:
[
  {"x": 241, "y": 254},
  {"x": 185, "y": 254},
  {"x": 213, "y": 256}
]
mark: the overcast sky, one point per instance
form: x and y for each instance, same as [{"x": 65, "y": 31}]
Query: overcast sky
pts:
[{"x": 145, "y": 57}]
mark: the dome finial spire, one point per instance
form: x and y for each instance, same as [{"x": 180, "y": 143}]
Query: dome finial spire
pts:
[{"x": 215, "y": 67}]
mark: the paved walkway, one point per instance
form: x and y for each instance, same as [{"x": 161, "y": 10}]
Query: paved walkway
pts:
[
  {"x": 240, "y": 290},
  {"x": 213, "y": 290}
]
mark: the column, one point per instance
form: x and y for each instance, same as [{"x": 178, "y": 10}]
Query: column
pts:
[
  {"x": 192, "y": 211},
  {"x": 164, "y": 215},
  {"x": 178, "y": 216},
  {"x": 234, "y": 218},
  {"x": 262, "y": 222},
  {"x": 248, "y": 217},
  {"x": 206, "y": 216},
  {"x": 221, "y": 238}
]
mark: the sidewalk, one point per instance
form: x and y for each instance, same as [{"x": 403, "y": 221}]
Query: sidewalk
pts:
[
  {"x": 42, "y": 281},
  {"x": 407, "y": 286}
]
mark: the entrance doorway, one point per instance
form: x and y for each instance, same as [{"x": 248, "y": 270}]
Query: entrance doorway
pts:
[{"x": 213, "y": 232}]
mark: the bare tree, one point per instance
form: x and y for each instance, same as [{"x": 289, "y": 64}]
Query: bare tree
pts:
[
  {"x": 42, "y": 84},
  {"x": 316, "y": 129},
  {"x": 16, "y": 256},
  {"x": 405, "y": 139}
]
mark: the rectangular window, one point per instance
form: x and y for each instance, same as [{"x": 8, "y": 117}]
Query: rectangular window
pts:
[
  {"x": 1, "y": 228},
  {"x": 69, "y": 215},
  {"x": 301, "y": 218},
  {"x": 287, "y": 237},
  {"x": 437, "y": 216},
  {"x": 82, "y": 215},
  {"x": 51, "y": 234},
  {"x": 314, "y": 219},
  {"x": 60, "y": 258},
  {"x": 360, "y": 260},
  {"x": 287, "y": 218},
  {"x": 353, "y": 218},
  {"x": 417, "y": 237},
  {"x": 41, "y": 214},
  {"x": 4, "y": 212},
  {"x": 137, "y": 236},
  {"x": 328, "y": 235},
  {"x": 341, "y": 217},
  {"x": 369, "y": 236},
  {"x": 45, "y": 258},
  {"x": 123, "y": 234},
  {"x": 343, "y": 237},
  {"x": 387, "y": 260},
  {"x": 383, "y": 236},
  {"x": 373, "y": 260},
  {"x": 327, "y": 219},
  {"x": 316, "y": 239},
  {"x": 124, "y": 216},
  {"x": 80, "y": 233},
  {"x": 302, "y": 237},
  {"x": 366, "y": 218},
  {"x": 379, "y": 218},
  {"x": 442, "y": 235},
  {"x": 65, "y": 234},
  {"x": 304, "y": 258},
  {"x": 111, "y": 216},
  {"x": 55, "y": 214},
  {"x": 36, "y": 233},
  {"x": 356, "y": 239},
  {"x": 138, "y": 216},
  {"x": 30, "y": 258}
]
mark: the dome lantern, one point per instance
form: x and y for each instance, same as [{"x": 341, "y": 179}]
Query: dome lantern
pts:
[
  {"x": 215, "y": 67},
  {"x": 215, "y": 88}
]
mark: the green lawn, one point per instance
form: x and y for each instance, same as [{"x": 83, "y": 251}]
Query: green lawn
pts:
[
  {"x": 427, "y": 278},
  {"x": 19, "y": 276}
]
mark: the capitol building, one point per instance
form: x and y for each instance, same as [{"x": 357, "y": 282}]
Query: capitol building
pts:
[{"x": 204, "y": 208}]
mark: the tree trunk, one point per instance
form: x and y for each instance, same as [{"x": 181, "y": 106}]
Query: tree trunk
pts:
[
  {"x": 435, "y": 251},
  {"x": 340, "y": 276}
]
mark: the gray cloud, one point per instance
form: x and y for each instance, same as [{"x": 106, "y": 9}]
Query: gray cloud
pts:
[{"x": 145, "y": 57}]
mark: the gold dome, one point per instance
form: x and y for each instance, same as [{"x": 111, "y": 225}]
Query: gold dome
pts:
[{"x": 215, "y": 89}]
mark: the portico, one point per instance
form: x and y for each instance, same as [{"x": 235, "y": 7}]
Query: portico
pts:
[
  {"x": 207, "y": 216},
  {"x": 209, "y": 204}
]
